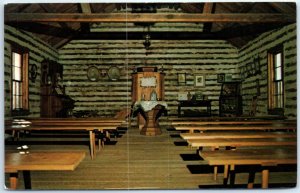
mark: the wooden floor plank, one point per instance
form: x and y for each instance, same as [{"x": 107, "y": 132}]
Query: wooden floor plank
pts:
[{"x": 133, "y": 162}]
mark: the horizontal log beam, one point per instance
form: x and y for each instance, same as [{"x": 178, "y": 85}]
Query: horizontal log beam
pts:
[
  {"x": 154, "y": 36},
  {"x": 149, "y": 17},
  {"x": 232, "y": 32}
]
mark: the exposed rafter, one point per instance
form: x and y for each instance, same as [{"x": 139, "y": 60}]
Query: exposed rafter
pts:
[
  {"x": 235, "y": 22},
  {"x": 86, "y": 9},
  {"x": 284, "y": 7},
  {"x": 208, "y": 9},
  {"x": 146, "y": 17},
  {"x": 45, "y": 29},
  {"x": 49, "y": 9}
]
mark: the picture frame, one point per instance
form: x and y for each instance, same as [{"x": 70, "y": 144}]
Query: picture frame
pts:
[
  {"x": 114, "y": 73},
  {"x": 93, "y": 73},
  {"x": 181, "y": 78},
  {"x": 199, "y": 80},
  {"x": 221, "y": 77}
]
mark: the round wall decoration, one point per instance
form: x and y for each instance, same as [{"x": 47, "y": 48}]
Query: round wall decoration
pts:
[
  {"x": 113, "y": 73},
  {"x": 33, "y": 72},
  {"x": 93, "y": 73}
]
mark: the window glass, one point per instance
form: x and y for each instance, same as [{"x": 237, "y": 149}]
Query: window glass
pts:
[
  {"x": 16, "y": 66},
  {"x": 19, "y": 94},
  {"x": 277, "y": 60},
  {"x": 275, "y": 81}
]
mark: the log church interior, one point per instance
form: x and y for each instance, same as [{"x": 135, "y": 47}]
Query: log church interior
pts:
[{"x": 134, "y": 96}]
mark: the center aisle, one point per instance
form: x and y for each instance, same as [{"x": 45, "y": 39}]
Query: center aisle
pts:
[{"x": 145, "y": 162}]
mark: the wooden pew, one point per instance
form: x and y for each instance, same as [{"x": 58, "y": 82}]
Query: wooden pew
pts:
[
  {"x": 90, "y": 127},
  {"x": 263, "y": 157},
  {"x": 97, "y": 122},
  {"x": 217, "y": 118},
  {"x": 240, "y": 142},
  {"x": 237, "y": 134},
  {"x": 236, "y": 127},
  {"x": 50, "y": 161},
  {"x": 216, "y": 143},
  {"x": 191, "y": 126},
  {"x": 67, "y": 122},
  {"x": 235, "y": 122}
]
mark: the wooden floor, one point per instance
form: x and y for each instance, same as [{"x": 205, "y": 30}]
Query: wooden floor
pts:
[{"x": 133, "y": 162}]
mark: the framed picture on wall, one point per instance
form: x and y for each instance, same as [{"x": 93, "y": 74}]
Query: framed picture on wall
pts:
[
  {"x": 181, "y": 79},
  {"x": 221, "y": 78},
  {"x": 93, "y": 73},
  {"x": 199, "y": 80}
]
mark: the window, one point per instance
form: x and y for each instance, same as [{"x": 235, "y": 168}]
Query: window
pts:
[
  {"x": 19, "y": 80},
  {"x": 275, "y": 82}
]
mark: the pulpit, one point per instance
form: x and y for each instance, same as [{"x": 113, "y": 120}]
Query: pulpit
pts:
[
  {"x": 150, "y": 111},
  {"x": 148, "y": 86}
]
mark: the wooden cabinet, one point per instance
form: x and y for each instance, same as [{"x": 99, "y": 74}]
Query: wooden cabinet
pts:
[
  {"x": 230, "y": 101},
  {"x": 54, "y": 102}
]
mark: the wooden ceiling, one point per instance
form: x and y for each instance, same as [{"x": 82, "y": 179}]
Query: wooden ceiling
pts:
[{"x": 236, "y": 22}]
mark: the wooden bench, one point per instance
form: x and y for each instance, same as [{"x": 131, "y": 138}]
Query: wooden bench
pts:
[
  {"x": 50, "y": 161},
  {"x": 97, "y": 122},
  {"x": 239, "y": 142},
  {"x": 216, "y": 143},
  {"x": 235, "y": 122},
  {"x": 66, "y": 122},
  {"x": 237, "y": 134},
  {"x": 217, "y": 118},
  {"x": 263, "y": 157},
  {"x": 69, "y": 126},
  {"x": 236, "y": 127}
]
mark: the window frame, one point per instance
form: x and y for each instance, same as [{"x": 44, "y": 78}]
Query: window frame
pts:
[
  {"x": 273, "y": 108},
  {"x": 24, "y": 109}
]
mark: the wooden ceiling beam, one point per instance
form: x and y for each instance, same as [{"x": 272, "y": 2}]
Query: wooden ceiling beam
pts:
[
  {"x": 284, "y": 7},
  {"x": 146, "y": 17},
  {"x": 208, "y": 9},
  {"x": 154, "y": 36},
  {"x": 86, "y": 9},
  {"x": 21, "y": 7}
]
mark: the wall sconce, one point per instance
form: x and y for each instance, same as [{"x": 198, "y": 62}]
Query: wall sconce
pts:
[
  {"x": 147, "y": 42},
  {"x": 147, "y": 37}
]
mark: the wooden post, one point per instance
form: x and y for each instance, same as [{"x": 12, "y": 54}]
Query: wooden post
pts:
[
  {"x": 265, "y": 178},
  {"x": 13, "y": 180}
]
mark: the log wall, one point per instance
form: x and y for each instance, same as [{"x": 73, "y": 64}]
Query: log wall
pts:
[
  {"x": 285, "y": 36},
  {"x": 206, "y": 57},
  {"x": 39, "y": 50}
]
